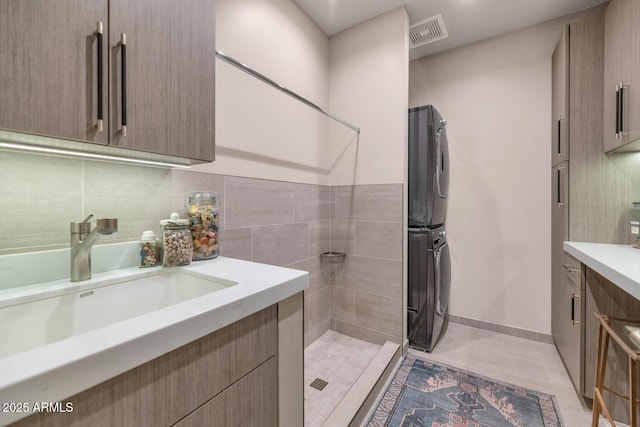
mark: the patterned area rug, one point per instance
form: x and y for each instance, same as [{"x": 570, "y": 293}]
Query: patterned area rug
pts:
[{"x": 428, "y": 394}]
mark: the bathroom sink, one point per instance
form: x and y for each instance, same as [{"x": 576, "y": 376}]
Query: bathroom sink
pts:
[{"x": 43, "y": 321}]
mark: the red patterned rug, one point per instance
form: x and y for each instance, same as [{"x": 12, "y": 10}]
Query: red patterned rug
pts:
[{"x": 428, "y": 394}]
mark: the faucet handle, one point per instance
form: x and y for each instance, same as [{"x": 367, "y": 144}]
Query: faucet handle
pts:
[{"x": 83, "y": 227}]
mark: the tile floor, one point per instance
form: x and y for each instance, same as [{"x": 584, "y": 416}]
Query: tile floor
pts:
[
  {"x": 515, "y": 360},
  {"x": 339, "y": 360}
]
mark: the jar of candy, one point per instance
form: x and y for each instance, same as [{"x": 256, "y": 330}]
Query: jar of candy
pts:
[
  {"x": 202, "y": 209},
  {"x": 148, "y": 254},
  {"x": 175, "y": 241}
]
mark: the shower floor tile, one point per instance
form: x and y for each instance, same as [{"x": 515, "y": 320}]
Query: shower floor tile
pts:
[{"x": 339, "y": 360}]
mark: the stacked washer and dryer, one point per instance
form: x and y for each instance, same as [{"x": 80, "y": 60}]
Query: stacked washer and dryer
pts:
[{"x": 429, "y": 265}]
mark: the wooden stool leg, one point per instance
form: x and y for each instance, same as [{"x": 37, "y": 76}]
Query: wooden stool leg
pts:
[
  {"x": 596, "y": 400},
  {"x": 632, "y": 392},
  {"x": 601, "y": 367}
]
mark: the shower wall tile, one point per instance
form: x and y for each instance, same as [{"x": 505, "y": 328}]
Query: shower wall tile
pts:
[
  {"x": 343, "y": 304},
  {"x": 39, "y": 196},
  {"x": 185, "y": 181},
  {"x": 319, "y": 307},
  {"x": 319, "y": 236},
  {"x": 138, "y": 196},
  {"x": 382, "y": 202},
  {"x": 254, "y": 202},
  {"x": 280, "y": 244},
  {"x": 373, "y": 275},
  {"x": 312, "y": 202},
  {"x": 305, "y": 317},
  {"x": 343, "y": 236},
  {"x": 379, "y": 239},
  {"x": 317, "y": 277},
  {"x": 367, "y": 226},
  {"x": 316, "y": 332},
  {"x": 379, "y": 313},
  {"x": 236, "y": 243}
]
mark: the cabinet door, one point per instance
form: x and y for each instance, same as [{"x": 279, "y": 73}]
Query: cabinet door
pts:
[
  {"x": 48, "y": 76},
  {"x": 621, "y": 61},
  {"x": 170, "y": 76},
  {"x": 560, "y": 99}
]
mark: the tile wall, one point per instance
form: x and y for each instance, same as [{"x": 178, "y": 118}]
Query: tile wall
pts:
[
  {"x": 366, "y": 298},
  {"x": 40, "y": 195},
  {"x": 275, "y": 222}
]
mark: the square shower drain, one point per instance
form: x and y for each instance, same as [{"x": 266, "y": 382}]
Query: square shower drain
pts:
[{"x": 318, "y": 384}]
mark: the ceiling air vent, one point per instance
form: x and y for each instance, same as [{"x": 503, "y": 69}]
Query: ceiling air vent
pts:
[{"x": 427, "y": 31}]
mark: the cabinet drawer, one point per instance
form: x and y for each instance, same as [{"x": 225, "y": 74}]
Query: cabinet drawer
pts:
[
  {"x": 572, "y": 271},
  {"x": 252, "y": 401}
]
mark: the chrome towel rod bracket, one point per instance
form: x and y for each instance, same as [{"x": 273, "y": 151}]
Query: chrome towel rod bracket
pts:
[{"x": 281, "y": 88}]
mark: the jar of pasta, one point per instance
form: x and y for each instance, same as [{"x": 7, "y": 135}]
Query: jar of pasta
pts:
[
  {"x": 202, "y": 209},
  {"x": 175, "y": 241}
]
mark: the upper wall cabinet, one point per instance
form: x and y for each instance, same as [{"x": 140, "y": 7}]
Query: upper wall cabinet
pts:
[
  {"x": 169, "y": 75},
  {"x": 621, "y": 79},
  {"x": 154, "y": 58},
  {"x": 49, "y": 68}
]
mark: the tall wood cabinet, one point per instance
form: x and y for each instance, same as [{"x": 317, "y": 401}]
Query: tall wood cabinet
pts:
[
  {"x": 621, "y": 78},
  {"x": 154, "y": 58},
  {"x": 577, "y": 93}
]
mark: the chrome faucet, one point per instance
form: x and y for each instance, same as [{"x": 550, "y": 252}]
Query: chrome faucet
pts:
[{"x": 82, "y": 240}]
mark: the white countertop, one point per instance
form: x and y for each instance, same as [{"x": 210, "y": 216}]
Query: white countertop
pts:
[
  {"x": 56, "y": 371},
  {"x": 620, "y": 264}
]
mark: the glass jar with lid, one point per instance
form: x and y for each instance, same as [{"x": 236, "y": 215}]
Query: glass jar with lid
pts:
[
  {"x": 148, "y": 250},
  {"x": 175, "y": 241},
  {"x": 202, "y": 209}
]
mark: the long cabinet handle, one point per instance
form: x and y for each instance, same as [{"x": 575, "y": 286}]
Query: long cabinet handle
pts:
[
  {"x": 123, "y": 69},
  {"x": 617, "y": 111},
  {"x": 559, "y": 183},
  {"x": 100, "y": 31},
  {"x": 621, "y": 109},
  {"x": 559, "y": 136}
]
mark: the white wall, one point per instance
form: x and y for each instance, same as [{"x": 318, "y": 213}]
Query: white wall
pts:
[
  {"x": 368, "y": 69},
  {"x": 496, "y": 98},
  {"x": 261, "y": 132}
]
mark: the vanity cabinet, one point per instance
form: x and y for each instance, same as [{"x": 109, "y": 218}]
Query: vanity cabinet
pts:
[
  {"x": 155, "y": 60},
  {"x": 621, "y": 80},
  {"x": 230, "y": 374}
]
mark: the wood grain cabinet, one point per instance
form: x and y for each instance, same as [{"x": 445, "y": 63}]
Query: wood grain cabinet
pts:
[
  {"x": 155, "y": 61},
  {"x": 621, "y": 79},
  {"x": 560, "y": 100},
  {"x": 49, "y": 73},
  {"x": 228, "y": 375},
  {"x": 576, "y": 128}
]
